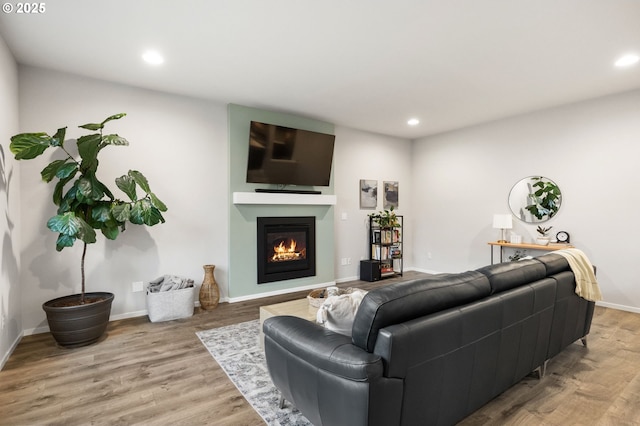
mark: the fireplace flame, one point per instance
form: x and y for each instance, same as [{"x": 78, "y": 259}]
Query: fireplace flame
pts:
[{"x": 283, "y": 253}]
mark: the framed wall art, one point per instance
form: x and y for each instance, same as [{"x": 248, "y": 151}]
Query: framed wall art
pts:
[
  {"x": 390, "y": 195},
  {"x": 368, "y": 194}
]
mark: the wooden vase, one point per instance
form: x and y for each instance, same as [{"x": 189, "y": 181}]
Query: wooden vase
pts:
[{"x": 209, "y": 292}]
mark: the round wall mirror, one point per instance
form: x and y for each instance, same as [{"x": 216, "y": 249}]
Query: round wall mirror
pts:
[{"x": 535, "y": 199}]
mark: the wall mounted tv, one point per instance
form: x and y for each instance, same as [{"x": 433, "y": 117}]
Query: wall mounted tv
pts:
[{"x": 286, "y": 156}]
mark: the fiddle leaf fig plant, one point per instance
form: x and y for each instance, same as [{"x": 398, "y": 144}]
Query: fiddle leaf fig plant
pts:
[{"x": 85, "y": 204}]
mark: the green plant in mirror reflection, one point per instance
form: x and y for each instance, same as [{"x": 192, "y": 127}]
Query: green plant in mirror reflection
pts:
[{"x": 545, "y": 199}]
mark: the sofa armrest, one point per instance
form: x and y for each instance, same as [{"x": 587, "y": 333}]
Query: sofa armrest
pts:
[{"x": 322, "y": 348}]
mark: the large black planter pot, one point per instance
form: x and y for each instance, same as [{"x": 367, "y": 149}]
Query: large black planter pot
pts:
[{"x": 78, "y": 325}]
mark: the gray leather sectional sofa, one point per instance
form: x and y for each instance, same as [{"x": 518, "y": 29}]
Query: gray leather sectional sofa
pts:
[{"x": 432, "y": 350}]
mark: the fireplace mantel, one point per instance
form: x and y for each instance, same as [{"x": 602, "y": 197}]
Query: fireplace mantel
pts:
[{"x": 279, "y": 198}]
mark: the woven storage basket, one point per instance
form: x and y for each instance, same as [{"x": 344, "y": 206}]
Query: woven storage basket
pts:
[
  {"x": 170, "y": 305},
  {"x": 316, "y": 298}
]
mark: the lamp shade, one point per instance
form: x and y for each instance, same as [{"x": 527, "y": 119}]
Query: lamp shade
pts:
[{"x": 502, "y": 221}]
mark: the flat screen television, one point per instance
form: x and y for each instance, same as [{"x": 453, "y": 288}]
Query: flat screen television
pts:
[{"x": 285, "y": 156}]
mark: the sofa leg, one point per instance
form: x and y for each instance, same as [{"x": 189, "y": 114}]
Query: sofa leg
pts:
[
  {"x": 542, "y": 370},
  {"x": 281, "y": 402},
  {"x": 584, "y": 341}
]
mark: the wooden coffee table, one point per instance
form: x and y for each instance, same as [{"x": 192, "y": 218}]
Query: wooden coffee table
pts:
[{"x": 297, "y": 308}]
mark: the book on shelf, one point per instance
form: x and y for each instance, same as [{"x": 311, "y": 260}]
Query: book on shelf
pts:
[
  {"x": 387, "y": 236},
  {"x": 386, "y": 268},
  {"x": 375, "y": 252},
  {"x": 394, "y": 251},
  {"x": 379, "y": 253}
]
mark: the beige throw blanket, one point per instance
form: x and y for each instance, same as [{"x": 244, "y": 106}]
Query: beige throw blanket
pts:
[{"x": 586, "y": 283}]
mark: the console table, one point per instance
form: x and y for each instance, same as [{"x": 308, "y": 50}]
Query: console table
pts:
[{"x": 530, "y": 246}]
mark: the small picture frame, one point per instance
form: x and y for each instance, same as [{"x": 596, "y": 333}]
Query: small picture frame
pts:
[
  {"x": 368, "y": 194},
  {"x": 390, "y": 194}
]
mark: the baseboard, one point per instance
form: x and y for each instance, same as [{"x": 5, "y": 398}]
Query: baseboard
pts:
[
  {"x": 126, "y": 315},
  {"x": 37, "y": 330},
  {"x": 279, "y": 292},
  {"x": 346, "y": 279},
  {"x": 12, "y": 348},
  {"x": 117, "y": 317},
  {"x": 619, "y": 307},
  {"x": 45, "y": 329},
  {"x": 424, "y": 271}
]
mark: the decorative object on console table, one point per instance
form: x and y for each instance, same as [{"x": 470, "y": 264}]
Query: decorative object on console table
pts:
[
  {"x": 502, "y": 222},
  {"x": 543, "y": 238},
  {"x": 530, "y": 246},
  {"x": 209, "y": 292},
  {"x": 562, "y": 237}
]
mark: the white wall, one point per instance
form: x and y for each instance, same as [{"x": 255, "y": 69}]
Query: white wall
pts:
[
  {"x": 450, "y": 187},
  {"x": 179, "y": 143},
  {"x": 362, "y": 155},
  {"x": 589, "y": 149},
  {"x": 10, "y": 290}
]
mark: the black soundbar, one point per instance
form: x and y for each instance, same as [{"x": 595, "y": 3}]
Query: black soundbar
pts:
[{"x": 288, "y": 191}]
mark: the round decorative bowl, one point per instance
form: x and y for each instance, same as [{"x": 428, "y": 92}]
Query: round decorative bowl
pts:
[{"x": 543, "y": 241}]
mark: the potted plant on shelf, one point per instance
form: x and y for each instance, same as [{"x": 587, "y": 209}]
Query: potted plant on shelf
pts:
[
  {"x": 385, "y": 218},
  {"x": 84, "y": 205},
  {"x": 543, "y": 239}
]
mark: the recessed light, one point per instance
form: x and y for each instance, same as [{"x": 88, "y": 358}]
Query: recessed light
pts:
[
  {"x": 413, "y": 122},
  {"x": 627, "y": 60},
  {"x": 152, "y": 57}
]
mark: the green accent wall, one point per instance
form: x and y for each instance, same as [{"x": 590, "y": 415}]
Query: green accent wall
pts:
[{"x": 243, "y": 278}]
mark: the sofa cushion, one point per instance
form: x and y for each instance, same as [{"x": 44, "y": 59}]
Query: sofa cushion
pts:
[
  {"x": 400, "y": 302},
  {"x": 554, "y": 263},
  {"x": 508, "y": 275}
]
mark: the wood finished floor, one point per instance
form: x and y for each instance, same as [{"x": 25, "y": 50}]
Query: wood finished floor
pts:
[{"x": 146, "y": 373}]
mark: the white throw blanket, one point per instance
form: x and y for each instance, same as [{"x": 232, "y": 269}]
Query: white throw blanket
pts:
[
  {"x": 339, "y": 310},
  {"x": 586, "y": 283},
  {"x": 168, "y": 283}
]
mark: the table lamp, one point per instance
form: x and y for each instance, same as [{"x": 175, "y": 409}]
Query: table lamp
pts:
[{"x": 502, "y": 222}]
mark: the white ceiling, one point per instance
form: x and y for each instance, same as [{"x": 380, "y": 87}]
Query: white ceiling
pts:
[{"x": 366, "y": 64}]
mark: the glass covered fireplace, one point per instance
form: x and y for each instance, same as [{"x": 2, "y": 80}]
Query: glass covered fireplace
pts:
[{"x": 286, "y": 248}]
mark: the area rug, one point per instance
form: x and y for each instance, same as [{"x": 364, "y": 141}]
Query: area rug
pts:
[{"x": 236, "y": 348}]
